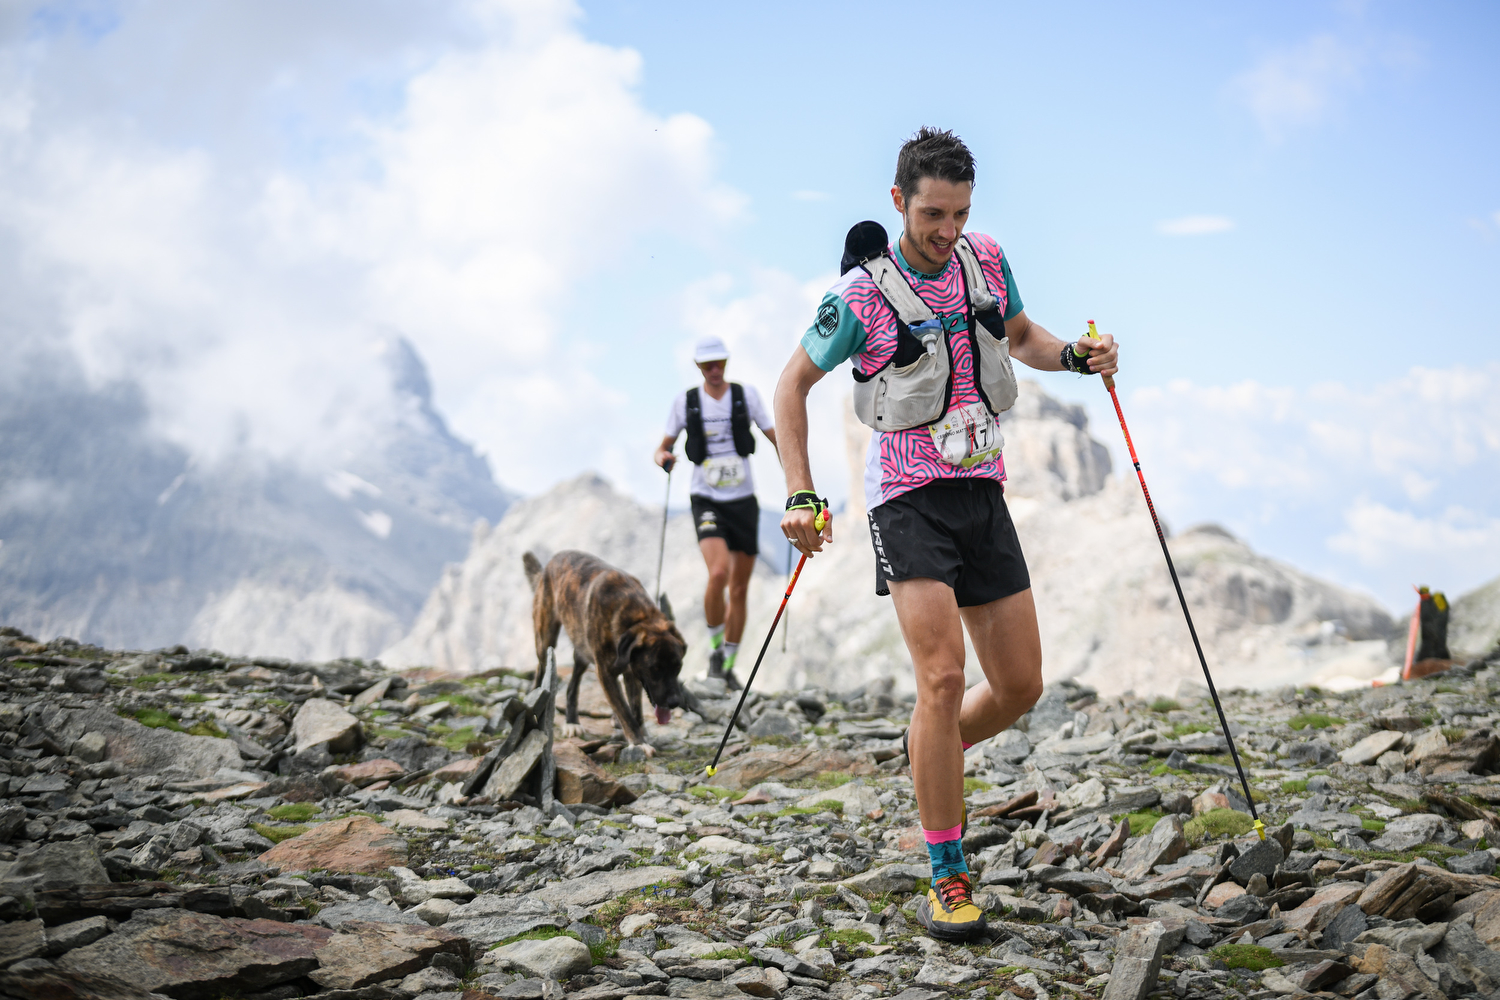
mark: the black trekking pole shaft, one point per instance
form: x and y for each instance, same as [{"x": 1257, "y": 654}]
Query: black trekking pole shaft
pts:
[
  {"x": 1109, "y": 383},
  {"x": 713, "y": 767},
  {"x": 661, "y": 554}
]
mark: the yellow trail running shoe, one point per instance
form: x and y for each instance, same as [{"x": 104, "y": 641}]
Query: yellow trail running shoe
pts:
[{"x": 949, "y": 913}]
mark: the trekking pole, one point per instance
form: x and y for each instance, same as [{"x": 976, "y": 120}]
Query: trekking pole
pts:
[
  {"x": 661, "y": 555},
  {"x": 713, "y": 768},
  {"x": 1109, "y": 383},
  {"x": 788, "y": 617}
]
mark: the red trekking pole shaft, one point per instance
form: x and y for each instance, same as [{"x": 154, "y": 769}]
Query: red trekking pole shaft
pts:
[
  {"x": 1161, "y": 536},
  {"x": 819, "y": 523}
]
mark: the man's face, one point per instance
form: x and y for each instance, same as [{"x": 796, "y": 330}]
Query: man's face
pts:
[
  {"x": 934, "y": 217},
  {"x": 713, "y": 372}
]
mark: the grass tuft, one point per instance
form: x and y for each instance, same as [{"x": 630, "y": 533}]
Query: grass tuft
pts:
[
  {"x": 1186, "y": 728},
  {"x": 1453, "y": 734},
  {"x": 1294, "y": 785},
  {"x": 1217, "y": 823},
  {"x": 972, "y": 785},
  {"x": 833, "y": 779},
  {"x": 1373, "y": 824},
  {"x": 1165, "y": 705},
  {"x": 206, "y": 727},
  {"x": 1251, "y": 957}
]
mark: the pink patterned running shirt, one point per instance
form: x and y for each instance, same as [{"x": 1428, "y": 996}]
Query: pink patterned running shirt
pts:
[{"x": 855, "y": 321}]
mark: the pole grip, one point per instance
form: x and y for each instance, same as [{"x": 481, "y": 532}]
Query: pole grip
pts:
[{"x": 1109, "y": 380}]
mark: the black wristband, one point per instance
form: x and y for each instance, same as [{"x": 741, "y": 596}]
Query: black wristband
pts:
[
  {"x": 1073, "y": 363},
  {"x": 806, "y": 500}
]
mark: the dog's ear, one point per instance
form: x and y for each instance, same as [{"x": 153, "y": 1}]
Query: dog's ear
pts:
[{"x": 627, "y": 644}]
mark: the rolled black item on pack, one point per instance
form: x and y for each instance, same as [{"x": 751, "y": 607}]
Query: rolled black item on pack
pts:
[{"x": 864, "y": 241}]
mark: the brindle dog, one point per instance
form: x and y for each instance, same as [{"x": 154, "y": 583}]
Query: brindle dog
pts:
[{"x": 614, "y": 625}]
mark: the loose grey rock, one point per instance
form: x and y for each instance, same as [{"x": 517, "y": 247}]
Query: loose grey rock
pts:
[
  {"x": 552, "y": 958},
  {"x": 1475, "y": 863},
  {"x": 322, "y": 721},
  {"x": 1260, "y": 858},
  {"x": 1165, "y": 843},
  {"x": 1137, "y": 964}
]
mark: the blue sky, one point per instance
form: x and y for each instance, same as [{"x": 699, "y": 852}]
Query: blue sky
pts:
[{"x": 1289, "y": 214}]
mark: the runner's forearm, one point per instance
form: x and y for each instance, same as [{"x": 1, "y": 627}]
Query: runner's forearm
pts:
[
  {"x": 1032, "y": 345},
  {"x": 799, "y": 376}
]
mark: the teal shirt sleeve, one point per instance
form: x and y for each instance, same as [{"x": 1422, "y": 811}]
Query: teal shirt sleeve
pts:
[
  {"x": 1013, "y": 303},
  {"x": 835, "y": 336}
]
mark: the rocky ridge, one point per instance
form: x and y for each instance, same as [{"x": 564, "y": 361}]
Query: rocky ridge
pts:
[
  {"x": 1088, "y": 540},
  {"x": 184, "y": 824}
]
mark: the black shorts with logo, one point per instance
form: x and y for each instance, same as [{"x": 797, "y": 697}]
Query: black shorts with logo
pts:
[
  {"x": 957, "y": 531},
  {"x": 735, "y": 521}
]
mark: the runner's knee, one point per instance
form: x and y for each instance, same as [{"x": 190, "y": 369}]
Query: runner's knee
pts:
[
  {"x": 944, "y": 688},
  {"x": 1021, "y": 691},
  {"x": 718, "y": 579}
]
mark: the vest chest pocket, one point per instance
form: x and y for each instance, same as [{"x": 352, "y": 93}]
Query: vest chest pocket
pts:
[
  {"x": 895, "y": 399},
  {"x": 997, "y": 379}
]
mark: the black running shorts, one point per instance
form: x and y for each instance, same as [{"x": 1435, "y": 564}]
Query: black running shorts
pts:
[
  {"x": 957, "y": 531},
  {"x": 735, "y": 521}
]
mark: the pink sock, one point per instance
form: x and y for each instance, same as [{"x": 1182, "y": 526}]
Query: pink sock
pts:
[
  {"x": 966, "y": 745},
  {"x": 943, "y": 836}
]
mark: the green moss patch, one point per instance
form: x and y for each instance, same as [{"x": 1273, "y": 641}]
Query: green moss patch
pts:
[
  {"x": 1294, "y": 786},
  {"x": 972, "y": 785},
  {"x": 206, "y": 727},
  {"x": 848, "y": 938},
  {"x": 1217, "y": 823},
  {"x": 1140, "y": 822},
  {"x": 1187, "y": 728},
  {"x": 1314, "y": 720},
  {"x": 1247, "y": 956},
  {"x": 152, "y": 718},
  {"x": 1165, "y": 705},
  {"x": 294, "y": 812},
  {"x": 276, "y": 834}
]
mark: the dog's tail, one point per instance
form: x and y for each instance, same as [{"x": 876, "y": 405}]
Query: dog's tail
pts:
[{"x": 533, "y": 567}]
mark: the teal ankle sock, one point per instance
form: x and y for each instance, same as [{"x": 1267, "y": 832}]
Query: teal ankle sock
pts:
[{"x": 947, "y": 859}]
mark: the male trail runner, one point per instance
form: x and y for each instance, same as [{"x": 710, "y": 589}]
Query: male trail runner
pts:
[
  {"x": 946, "y": 550},
  {"x": 717, "y": 418}
]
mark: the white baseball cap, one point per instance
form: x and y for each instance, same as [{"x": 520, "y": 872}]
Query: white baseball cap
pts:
[{"x": 709, "y": 349}]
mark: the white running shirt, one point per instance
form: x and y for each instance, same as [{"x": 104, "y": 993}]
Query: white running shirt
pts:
[{"x": 724, "y": 475}]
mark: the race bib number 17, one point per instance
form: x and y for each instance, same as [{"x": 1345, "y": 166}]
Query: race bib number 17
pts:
[{"x": 967, "y": 436}]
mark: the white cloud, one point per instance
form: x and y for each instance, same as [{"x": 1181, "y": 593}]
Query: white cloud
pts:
[
  {"x": 507, "y": 163},
  {"x": 1304, "y": 472},
  {"x": 1443, "y": 546},
  {"x": 1195, "y": 225},
  {"x": 1301, "y": 85}
]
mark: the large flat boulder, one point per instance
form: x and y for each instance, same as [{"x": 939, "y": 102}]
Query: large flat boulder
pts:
[
  {"x": 197, "y": 956},
  {"x": 599, "y": 886},
  {"x": 61, "y": 864},
  {"x": 754, "y": 766},
  {"x": 350, "y": 844},
  {"x": 140, "y": 749},
  {"x": 362, "y": 954}
]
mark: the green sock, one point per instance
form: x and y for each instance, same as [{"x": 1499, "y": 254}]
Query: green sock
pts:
[
  {"x": 715, "y": 636},
  {"x": 731, "y": 650}
]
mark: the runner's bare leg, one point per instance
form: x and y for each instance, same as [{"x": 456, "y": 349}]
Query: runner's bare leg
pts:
[
  {"x": 1009, "y": 648},
  {"x": 933, "y": 630},
  {"x": 741, "y": 565},
  {"x": 716, "y": 556}
]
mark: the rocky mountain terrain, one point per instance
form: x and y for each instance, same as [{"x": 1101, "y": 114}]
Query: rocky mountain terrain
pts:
[
  {"x": 1474, "y": 625},
  {"x": 192, "y": 825},
  {"x": 1108, "y": 615},
  {"x": 109, "y": 533}
]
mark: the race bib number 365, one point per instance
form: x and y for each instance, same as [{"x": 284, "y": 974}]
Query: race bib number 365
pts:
[
  {"x": 967, "y": 436},
  {"x": 724, "y": 471}
]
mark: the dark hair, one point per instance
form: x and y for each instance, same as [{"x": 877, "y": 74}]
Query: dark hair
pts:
[{"x": 933, "y": 153}]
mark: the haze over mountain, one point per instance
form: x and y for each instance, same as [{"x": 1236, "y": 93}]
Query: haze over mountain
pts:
[{"x": 112, "y": 534}]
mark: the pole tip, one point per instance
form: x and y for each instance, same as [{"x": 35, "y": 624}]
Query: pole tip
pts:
[
  {"x": 1260, "y": 829},
  {"x": 711, "y": 770}
]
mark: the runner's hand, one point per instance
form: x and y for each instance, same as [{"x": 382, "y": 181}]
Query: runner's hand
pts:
[
  {"x": 798, "y": 527},
  {"x": 1104, "y": 354},
  {"x": 665, "y": 459}
]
